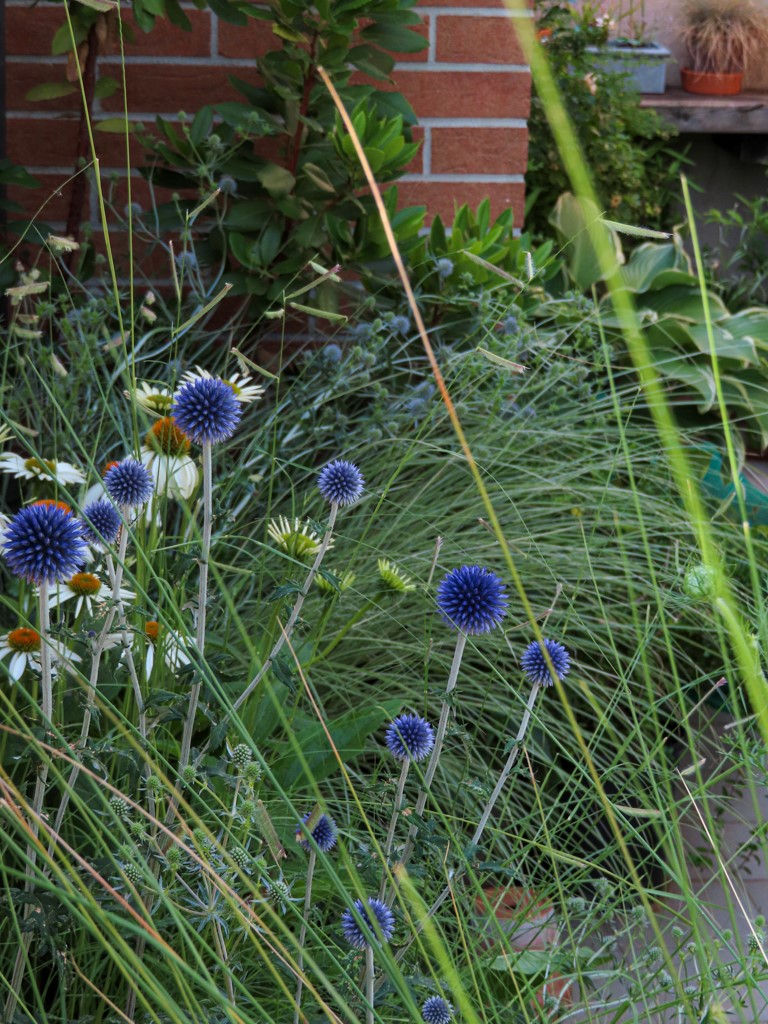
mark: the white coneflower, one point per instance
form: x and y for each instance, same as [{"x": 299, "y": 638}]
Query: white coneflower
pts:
[
  {"x": 245, "y": 392},
  {"x": 87, "y": 591},
  {"x": 23, "y": 644},
  {"x": 295, "y": 538},
  {"x": 172, "y": 647},
  {"x": 157, "y": 401},
  {"x": 165, "y": 453},
  {"x": 40, "y": 469}
]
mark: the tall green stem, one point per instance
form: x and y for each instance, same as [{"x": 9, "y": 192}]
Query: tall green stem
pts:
[
  {"x": 393, "y": 822},
  {"x": 41, "y": 782},
  {"x": 202, "y": 600},
  {"x": 303, "y": 934},
  {"x": 442, "y": 725}
]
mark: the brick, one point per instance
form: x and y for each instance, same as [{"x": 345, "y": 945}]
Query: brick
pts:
[
  {"x": 50, "y": 202},
  {"x": 20, "y": 78},
  {"x": 251, "y": 40},
  {"x": 167, "y": 39},
  {"x": 53, "y": 143},
  {"x": 488, "y": 4},
  {"x": 442, "y": 197},
  {"x": 467, "y": 93},
  {"x": 169, "y": 88},
  {"x": 29, "y": 31},
  {"x": 486, "y": 40},
  {"x": 479, "y": 150}
]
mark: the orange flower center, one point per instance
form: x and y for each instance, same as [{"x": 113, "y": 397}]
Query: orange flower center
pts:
[
  {"x": 166, "y": 438},
  {"x": 152, "y": 630},
  {"x": 44, "y": 467},
  {"x": 23, "y": 639},
  {"x": 84, "y": 584},
  {"x": 59, "y": 504},
  {"x": 109, "y": 466}
]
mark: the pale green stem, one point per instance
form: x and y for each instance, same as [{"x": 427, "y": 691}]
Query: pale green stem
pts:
[
  {"x": 442, "y": 725},
  {"x": 369, "y": 984},
  {"x": 303, "y": 935},
  {"x": 117, "y": 579},
  {"x": 202, "y": 600},
  {"x": 393, "y": 822},
  {"x": 285, "y": 634},
  {"x": 502, "y": 780},
  {"x": 41, "y": 782}
]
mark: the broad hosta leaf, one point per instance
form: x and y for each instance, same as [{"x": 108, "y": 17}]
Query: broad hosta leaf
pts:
[
  {"x": 574, "y": 219},
  {"x": 727, "y": 345}
]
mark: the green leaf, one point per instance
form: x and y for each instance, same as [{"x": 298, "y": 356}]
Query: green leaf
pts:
[
  {"x": 100, "y": 5},
  {"x": 394, "y": 37},
  {"x": 324, "y": 314},
  {"x": 62, "y": 39},
  {"x": 574, "y": 218},
  {"x": 105, "y": 87},
  {"x": 318, "y": 177},
  {"x": 630, "y": 229},
  {"x": 349, "y": 733},
  {"x": 114, "y": 125},
  {"x": 50, "y": 91},
  {"x": 275, "y": 179}
]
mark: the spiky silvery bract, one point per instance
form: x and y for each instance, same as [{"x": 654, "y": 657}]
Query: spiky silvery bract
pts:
[
  {"x": 324, "y": 833},
  {"x": 534, "y": 664},
  {"x": 129, "y": 483},
  {"x": 472, "y": 599},
  {"x": 436, "y": 1010},
  {"x": 385, "y": 919},
  {"x": 101, "y": 522},
  {"x": 410, "y": 736},
  {"x": 340, "y": 482},
  {"x": 206, "y": 410},
  {"x": 44, "y": 544}
]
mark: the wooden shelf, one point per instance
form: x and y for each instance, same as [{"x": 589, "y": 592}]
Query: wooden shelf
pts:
[{"x": 746, "y": 113}]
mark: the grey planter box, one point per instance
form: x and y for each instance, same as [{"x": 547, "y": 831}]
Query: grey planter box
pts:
[{"x": 646, "y": 65}]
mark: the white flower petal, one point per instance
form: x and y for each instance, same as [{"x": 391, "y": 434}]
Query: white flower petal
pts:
[{"x": 17, "y": 665}]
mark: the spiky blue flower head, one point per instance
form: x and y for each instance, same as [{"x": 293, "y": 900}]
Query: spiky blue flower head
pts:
[
  {"x": 324, "y": 833},
  {"x": 44, "y": 544},
  {"x": 354, "y": 934},
  {"x": 410, "y": 736},
  {"x": 101, "y": 522},
  {"x": 206, "y": 409},
  {"x": 129, "y": 483},
  {"x": 340, "y": 482},
  {"x": 535, "y": 666},
  {"x": 472, "y": 599},
  {"x": 436, "y": 1010}
]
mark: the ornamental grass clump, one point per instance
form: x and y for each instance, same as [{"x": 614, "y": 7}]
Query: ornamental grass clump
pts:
[{"x": 722, "y": 36}]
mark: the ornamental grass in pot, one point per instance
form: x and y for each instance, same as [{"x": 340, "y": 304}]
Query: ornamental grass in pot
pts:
[{"x": 721, "y": 36}]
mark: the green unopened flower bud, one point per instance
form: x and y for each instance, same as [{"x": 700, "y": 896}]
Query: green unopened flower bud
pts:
[
  {"x": 173, "y": 857},
  {"x": 240, "y": 856},
  {"x": 119, "y": 807},
  {"x": 188, "y": 774},
  {"x": 241, "y": 755},
  {"x": 133, "y": 873},
  {"x": 155, "y": 784},
  {"x": 248, "y": 809},
  {"x": 138, "y": 829},
  {"x": 253, "y": 772},
  {"x": 200, "y": 837},
  {"x": 699, "y": 582}
]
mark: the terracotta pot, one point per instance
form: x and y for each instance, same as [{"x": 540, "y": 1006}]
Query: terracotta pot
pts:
[
  {"x": 528, "y": 922},
  {"x": 707, "y": 83}
]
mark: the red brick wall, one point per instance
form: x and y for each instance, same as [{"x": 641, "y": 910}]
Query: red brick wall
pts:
[{"x": 470, "y": 89}]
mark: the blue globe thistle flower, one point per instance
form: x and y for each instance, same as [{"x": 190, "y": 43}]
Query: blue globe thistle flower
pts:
[
  {"x": 129, "y": 483},
  {"x": 324, "y": 833},
  {"x": 101, "y": 523},
  {"x": 436, "y": 1010},
  {"x": 340, "y": 482},
  {"x": 354, "y": 934},
  {"x": 44, "y": 544},
  {"x": 535, "y": 666},
  {"x": 206, "y": 410},
  {"x": 472, "y": 599},
  {"x": 410, "y": 736}
]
